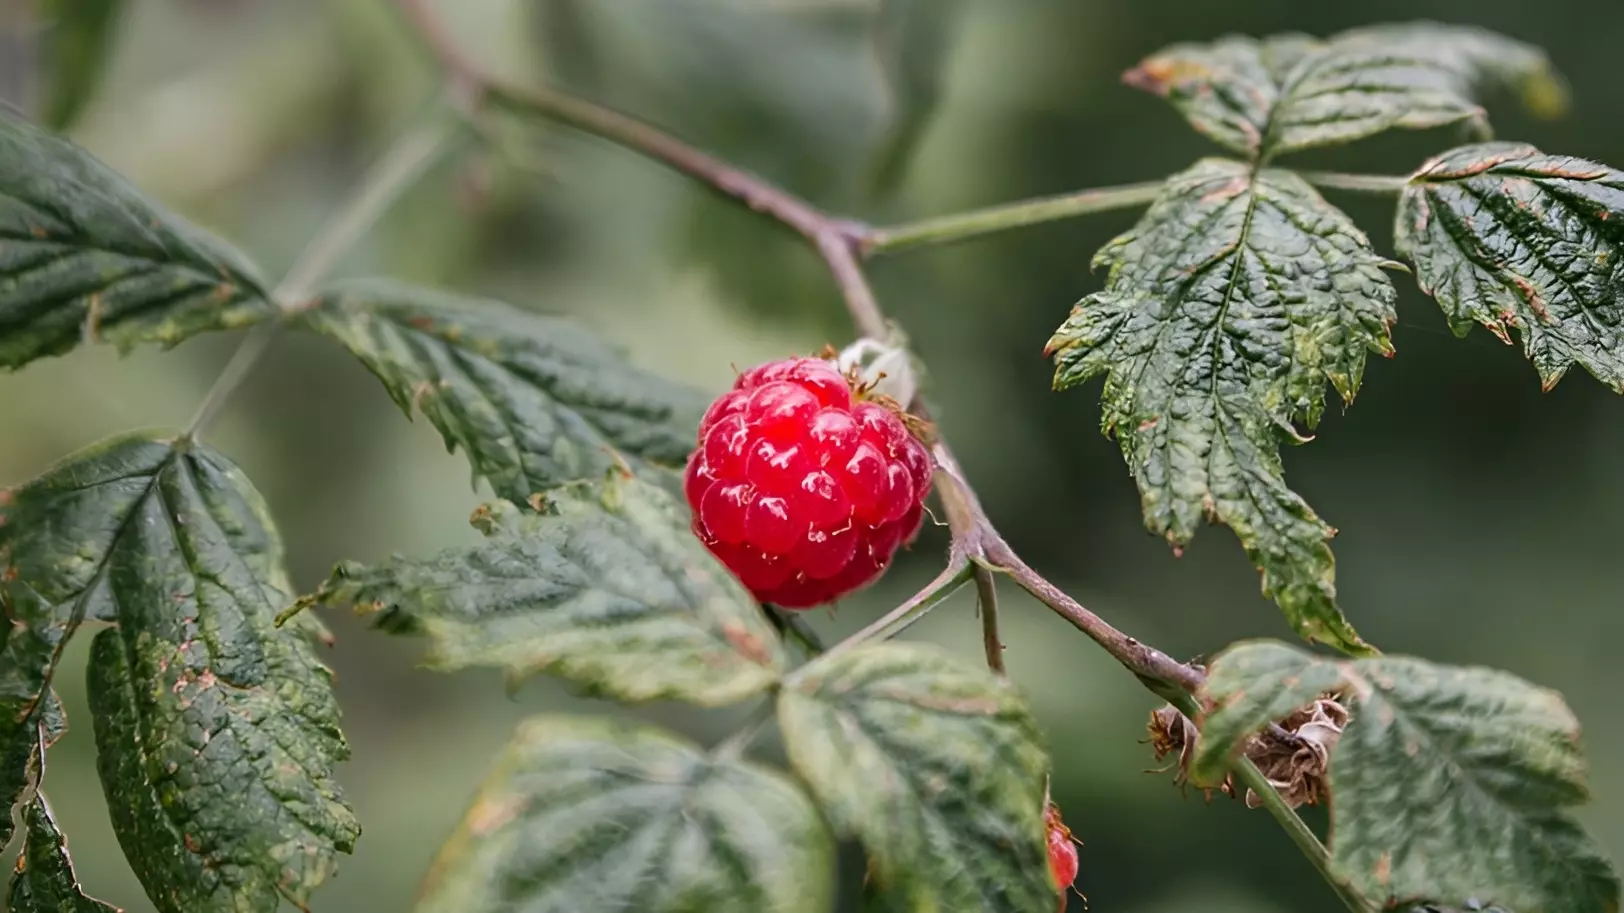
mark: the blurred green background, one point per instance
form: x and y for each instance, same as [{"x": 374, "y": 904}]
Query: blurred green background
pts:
[{"x": 1480, "y": 518}]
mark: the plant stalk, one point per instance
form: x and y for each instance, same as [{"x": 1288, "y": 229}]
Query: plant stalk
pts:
[
  {"x": 978, "y": 222},
  {"x": 397, "y": 169},
  {"x": 1361, "y": 183}
]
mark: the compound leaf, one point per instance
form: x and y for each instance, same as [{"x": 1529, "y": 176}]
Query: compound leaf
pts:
[
  {"x": 83, "y": 256},
  {"x": 77, "y": 48},
  {"x": 1286, "y": 93},
  {"x": 216, "y": 733},
  {"x": 534, "y": 401},
  {"x": 1226, "y": 310},
  {"x": 1450, "y": 785},
  {"x": 607, "y": 586},
  {"x": 43, "y": 881},
  {"x": 599, "y": 816},
  {"x": 1516, "y": 240},
  {"x": 935, "y": 765}
]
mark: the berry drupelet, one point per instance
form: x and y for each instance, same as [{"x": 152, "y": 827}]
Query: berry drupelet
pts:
[{"x": 803, "y": 487}]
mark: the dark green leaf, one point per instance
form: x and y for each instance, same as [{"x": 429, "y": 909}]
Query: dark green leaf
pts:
[
  {"x": 935, "y": 765},
  {"x": 77, "y": 48},
  {"x": 1449, "y": 785},
  {"x": 21, "y": 752},
  {"x": 599, "y": 816},
  {"x": 1516, "y": 240},
  {"x": 216, "y": 732},
  {"x": 1266, "y": 97},
  {"x": 44, "y": 881},
  {"x": 913, "y": 39},
  {"x": 608, "y": 587},
  {"x": 534, "y": 401},
  {"x": 84, "y": 257},
  {"x": 1227, "y": 309}
]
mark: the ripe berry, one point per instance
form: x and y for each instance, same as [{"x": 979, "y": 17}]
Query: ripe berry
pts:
[
  {"x": 1062, "y": 852},
  {"x": 801, "y": 486}
]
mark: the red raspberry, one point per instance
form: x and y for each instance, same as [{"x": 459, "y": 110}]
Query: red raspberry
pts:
[
  {"x": 1062, "y": 852},
  {"x": 803, "y": 490}
]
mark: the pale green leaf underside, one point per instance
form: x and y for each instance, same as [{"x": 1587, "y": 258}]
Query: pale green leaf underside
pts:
[
  {"x": 43, "y": 881},
  {"x": 935, "y": 765},
  {"x": 533, "y": 401},
  {"x": 1516, "y": 240},
  {"x": 1270, "y": 96},
  {"x": 1227, "y": 309},
  {"x": 1449, "y": 785},
  {"x": 84, "y": 256},
  {"x": 587, "y": 815},
  {"x": 216, "y": 733},
  {"x": 607, "y": 587}
]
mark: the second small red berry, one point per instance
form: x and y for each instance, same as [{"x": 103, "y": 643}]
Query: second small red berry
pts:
[
  {"x": 804, "y": 491},
  {"x": 1062, "y": 852}
]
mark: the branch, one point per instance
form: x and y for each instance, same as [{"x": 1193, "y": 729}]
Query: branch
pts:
[{"x": 1010, "y": 215}]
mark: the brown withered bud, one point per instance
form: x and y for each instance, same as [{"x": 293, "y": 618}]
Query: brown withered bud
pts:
[
  {"x": 1293, "y": 754},
  {"x": 1172, "y": 733}
]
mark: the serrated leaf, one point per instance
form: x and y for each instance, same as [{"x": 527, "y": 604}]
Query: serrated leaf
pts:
[
  {"x": 1517, "y": 240},
  {"x": 216, "y": 733},
  {"x": 599, "y": 816},
  {"x": 608, "y": 587},
  {"x": 912, "y": 41},
  {"x": 935, "y": 765},
  {"x": 1227, "y": 309},
  {"x": 43, "y": 881},
  {"x": 21, "y": 751},
  {"x": 1449, "y": 784},
  {"x": 83, "y": 256},
  {"x": 76, "y": 51},
  {"x": 533, "y": 401},
  {"x": 1286, "y": 93}
]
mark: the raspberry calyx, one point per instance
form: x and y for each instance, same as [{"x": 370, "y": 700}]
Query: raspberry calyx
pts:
[{"x": 802, "y": 485}]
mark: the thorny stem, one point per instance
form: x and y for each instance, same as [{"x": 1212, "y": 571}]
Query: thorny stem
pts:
[
  {"x": 399, "y": 167},
  {"x": 979, "y": 222},
  {"x": 842, "y": 243},
  {"x": 1363, "y": 183}
]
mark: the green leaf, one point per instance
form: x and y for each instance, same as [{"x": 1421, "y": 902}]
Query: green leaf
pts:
[
  {"x": 608, "y": 587},
  {"x": 1286, "y": 93},
  {"x": 44, "y": 881},
  {"x": 534, "y": 401},
  {"x": 600, "y": 816},
  {"x": 77, "y": 48},
  {"x": 935, "y": 765},
  {"x": 1226, "y": 310},
  {"x": 84, "y": 257},
  {"x": 216, "y": 733},
  {"x": 912, "y": 40},
  {"x": 1506, "y": 236},
  {"x": 1449, "y": 785},
  {"x": 21, "y": 752}
]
